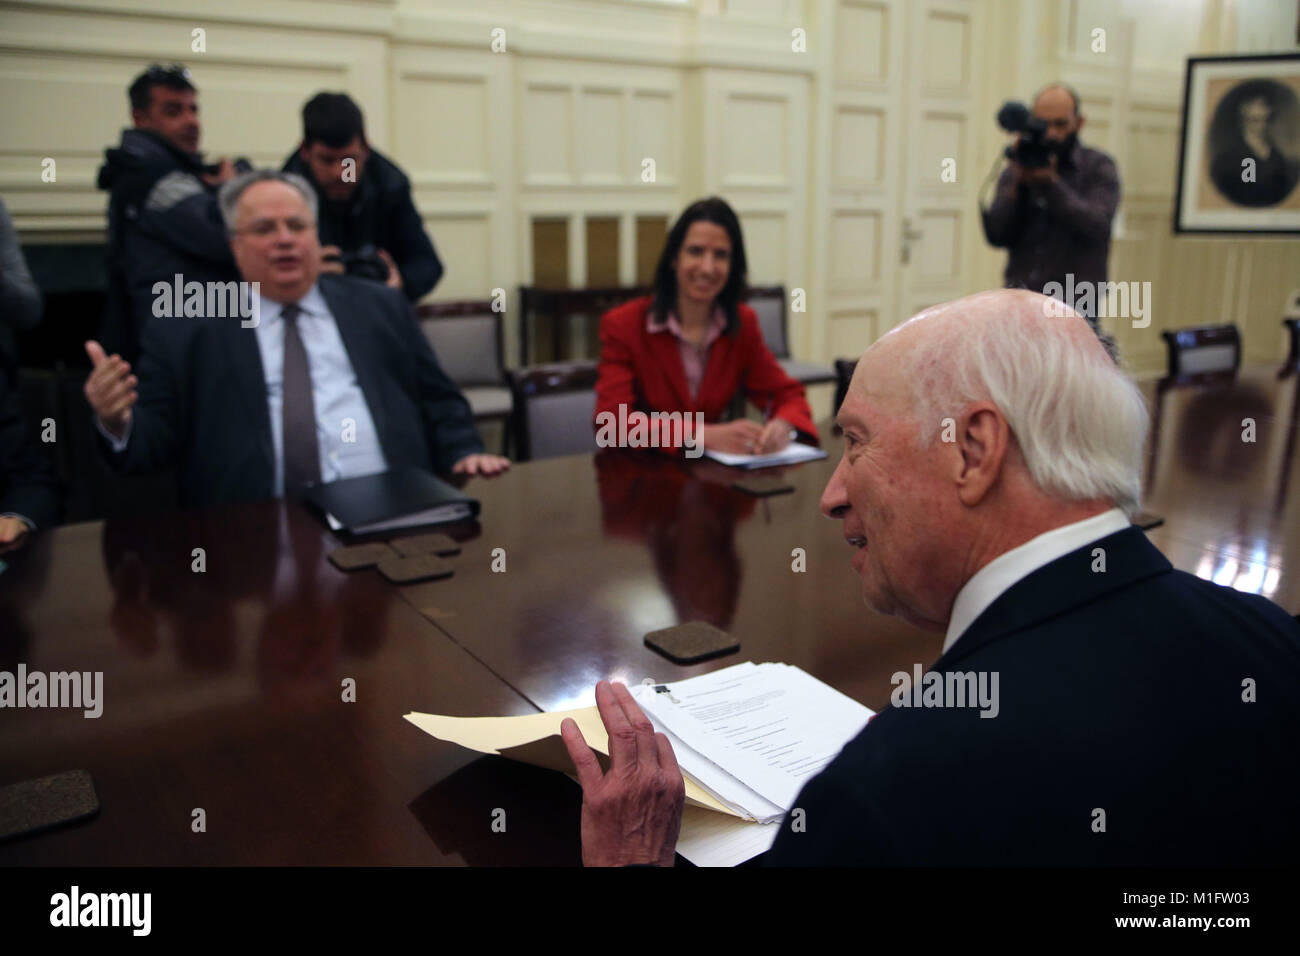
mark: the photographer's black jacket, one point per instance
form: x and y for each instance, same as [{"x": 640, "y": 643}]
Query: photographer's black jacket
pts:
[
  {"x": 163, "y": 220},
  {"x": 379, "y": 214}
]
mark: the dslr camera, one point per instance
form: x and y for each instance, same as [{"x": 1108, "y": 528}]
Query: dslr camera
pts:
[
  {"x": 364, "y": 263},
  {"x": 1033, "y": 150}
]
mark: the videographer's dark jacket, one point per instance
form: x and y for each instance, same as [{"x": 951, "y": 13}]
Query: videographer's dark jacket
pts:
[
  {"x": 379, "y": 214},
  {"x": 1051, "y": 229},
  {"x": 163, "y": 219}
]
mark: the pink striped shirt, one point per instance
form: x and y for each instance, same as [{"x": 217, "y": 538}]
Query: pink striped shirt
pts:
[{"x": 694, "y": 357}]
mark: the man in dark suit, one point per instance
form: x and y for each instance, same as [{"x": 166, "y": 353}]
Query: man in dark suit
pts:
[
  {"x": 324, "y": 377},
  {"x": 29, "y": 489},
  {"x": 1138, "y": 714}
]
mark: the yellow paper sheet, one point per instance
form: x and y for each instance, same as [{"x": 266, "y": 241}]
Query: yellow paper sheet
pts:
[{"x": 524, "y": 738}]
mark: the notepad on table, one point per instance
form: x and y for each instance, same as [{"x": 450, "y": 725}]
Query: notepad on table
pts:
[{"x": 791, "y": 454}]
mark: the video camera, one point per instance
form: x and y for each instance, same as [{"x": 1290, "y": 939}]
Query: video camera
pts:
[{"x": 1033, "y": 150}]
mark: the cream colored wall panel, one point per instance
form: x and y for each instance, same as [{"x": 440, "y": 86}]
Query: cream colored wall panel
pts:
[
  {"x": 760, "y": 9},
  {"x": 858, "y": 158},
  {"x": 943, "y": 136},
  {"x": 855, "y": 250},
  {"x": 851, "y": 332},
  {"x": 268, "y": 132},
  {"x": 448, "y": 137},
  {"x": 464, "y": 244},
  {"x": 66, "y": 104},
  {"x": 938, "y": 252},
  {"x": 862, "y": 43},
  {"x": 947, "y": 46},
  {"x": 547, "y": 148},
  {"x": 1099, "y": 134},
  {"x": 599, "y": 131},
  {"x": 1152, "y": 152},
  {"x": 653, "y": 123},
  {"x": 756, "y": 141},
  {"x": 1271, "y": 269},
  {"x": 765, "y": 246}
]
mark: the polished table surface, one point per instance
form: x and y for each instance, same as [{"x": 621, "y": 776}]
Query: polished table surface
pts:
[
  {"x": 223, "y": 687},
  {"x": 599, "y": 551}
]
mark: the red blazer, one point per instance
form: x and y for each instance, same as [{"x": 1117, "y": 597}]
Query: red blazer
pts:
[{"x": 643, "y": 371}]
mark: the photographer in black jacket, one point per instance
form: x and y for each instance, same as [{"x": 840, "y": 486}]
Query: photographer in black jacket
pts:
[
  {"x": 162, "y": 212},
  {"x": 368, "y": 225}
]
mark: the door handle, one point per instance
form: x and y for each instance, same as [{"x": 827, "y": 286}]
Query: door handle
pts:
[{"x": 909, "y": 236}]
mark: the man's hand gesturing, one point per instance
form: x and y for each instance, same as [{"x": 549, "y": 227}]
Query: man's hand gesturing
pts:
[
  {"x": 110, "y": 389},
  {"x": 632, "y": 814}
]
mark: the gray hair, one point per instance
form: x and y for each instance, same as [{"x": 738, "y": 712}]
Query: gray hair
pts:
[
  {"x": 1079, "y": 421},
  {"x": 228, "y": 197}
]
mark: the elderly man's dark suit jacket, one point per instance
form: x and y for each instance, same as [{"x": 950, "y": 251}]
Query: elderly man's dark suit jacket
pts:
[
  {"x": 1119, "y": 691},
  {"x": 202, "y": 396}
]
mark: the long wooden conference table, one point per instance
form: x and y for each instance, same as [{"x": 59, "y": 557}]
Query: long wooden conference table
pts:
[{"x": 226, "y": 638}]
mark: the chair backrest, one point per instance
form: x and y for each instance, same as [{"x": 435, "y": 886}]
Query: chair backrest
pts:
[
  {"x": 768, "y": 302},
  {"x": 553, "y": 407},
  {"x": 466, "y": 338},
  {"x": 558, "y": 306},
  {"x": 1291, "y": 322},
  {"x": 1200, "y": 354},
  {"x": 1293, "y": 305},
  {"x": 844, "y": 369}
]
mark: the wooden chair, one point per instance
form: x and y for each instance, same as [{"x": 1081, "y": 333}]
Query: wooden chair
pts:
[
  {"x": 466, "y": 338},
  {"x": 769, "y": 304},
  {"x": 1291, "y": 322},
  {"x": 554, "y": 406},
  {"x": 1205, "y": 356},
  {"x": 559, "y": 308}
]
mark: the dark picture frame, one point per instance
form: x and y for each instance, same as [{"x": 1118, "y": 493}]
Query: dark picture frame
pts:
[{"x": 1239, "y": 153}]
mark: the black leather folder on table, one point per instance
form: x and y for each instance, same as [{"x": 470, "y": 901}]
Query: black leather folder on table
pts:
[{"x": 390, "y": 500}]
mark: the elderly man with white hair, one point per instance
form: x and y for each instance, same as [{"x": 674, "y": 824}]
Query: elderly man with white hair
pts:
[{"x": 1145, "y": 716}]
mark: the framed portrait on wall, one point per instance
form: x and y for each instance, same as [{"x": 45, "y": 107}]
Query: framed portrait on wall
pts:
[{"x": 1239, "y": 165}]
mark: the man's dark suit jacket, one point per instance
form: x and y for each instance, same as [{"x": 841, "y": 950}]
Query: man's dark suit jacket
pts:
[
  {"x": 28, "y": 484},
  {"x": 202, "y": 397},
  {"x": 1120, "y": 691}
]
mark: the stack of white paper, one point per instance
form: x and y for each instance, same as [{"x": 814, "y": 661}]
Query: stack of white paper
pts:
[
  {"x": 747, "y": 738},
  {"x": 753, "y": 734}
]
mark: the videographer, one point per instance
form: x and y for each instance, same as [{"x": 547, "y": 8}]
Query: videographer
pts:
[
  {"x": 1055, "y": 199},
  {"x": 162, "y": 210},
  {"x": 368, "y": 224}
]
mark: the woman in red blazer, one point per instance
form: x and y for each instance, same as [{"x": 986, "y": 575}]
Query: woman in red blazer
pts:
[{"x": 692, "y": 344}]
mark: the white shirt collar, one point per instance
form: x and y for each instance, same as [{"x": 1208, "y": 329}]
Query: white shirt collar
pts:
[
  {"x": 312, "y": 303},
  {"x": 990, "y": 581}
]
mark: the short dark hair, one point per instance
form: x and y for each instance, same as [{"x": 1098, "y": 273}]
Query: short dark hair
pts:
[
  {"x": 174, "y": 77},
  {"x": 714, "y": 210},
  {"x": 332, "y": 119}
]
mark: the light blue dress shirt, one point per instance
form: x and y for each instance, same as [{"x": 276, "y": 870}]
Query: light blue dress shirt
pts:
[{"x": 345, "y": 432}]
